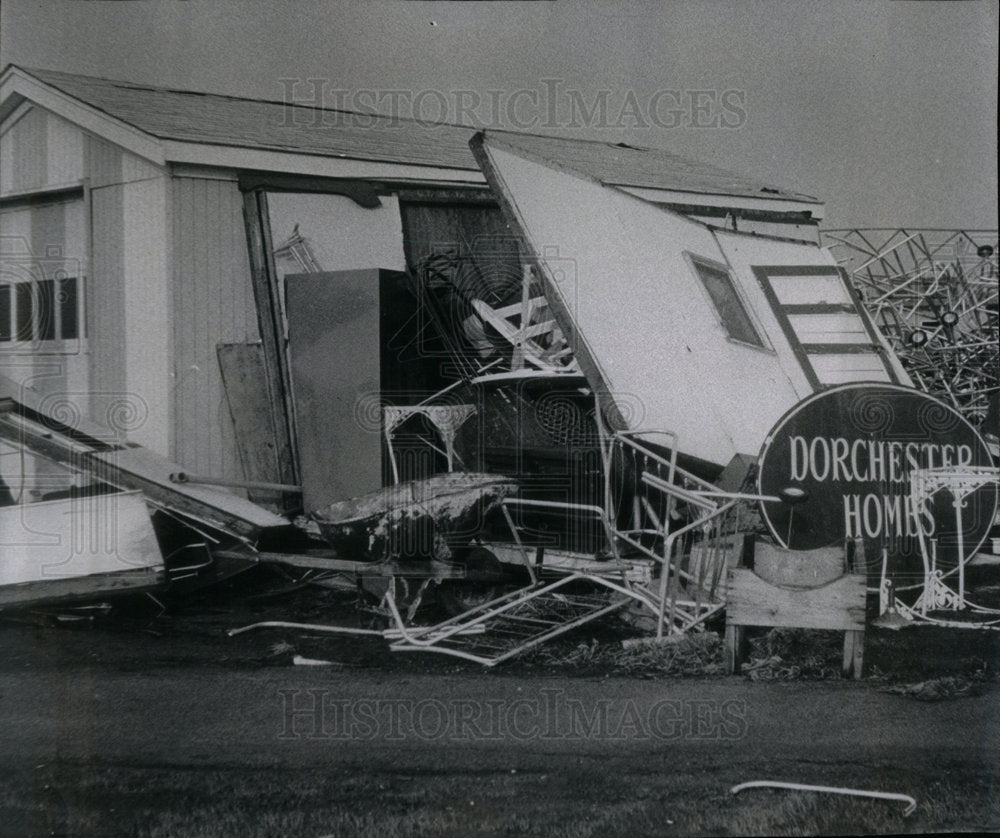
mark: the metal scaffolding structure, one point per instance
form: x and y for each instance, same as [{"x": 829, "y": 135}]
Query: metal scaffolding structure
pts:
[{"x": 933, "y": 293}]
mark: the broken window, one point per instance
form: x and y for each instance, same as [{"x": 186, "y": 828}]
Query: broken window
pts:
[{"x": 735, "y": 318}]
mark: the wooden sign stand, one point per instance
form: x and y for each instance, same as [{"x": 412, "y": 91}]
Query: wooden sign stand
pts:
[{"x": 797, "y": 589}]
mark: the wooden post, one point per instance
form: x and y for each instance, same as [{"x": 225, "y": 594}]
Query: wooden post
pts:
[
  {"x": 854, "y": 653},
  {"x": 517, "y": 359},
  {"x": 272, "y": 333},
  {"x": 838, "y": 605},
  {"x": 735, "y": 648}
]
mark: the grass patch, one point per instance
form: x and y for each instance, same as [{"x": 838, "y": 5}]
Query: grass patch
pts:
[
  {"x": 258, "y": 803},
  {"x": 692, "y": 654}
]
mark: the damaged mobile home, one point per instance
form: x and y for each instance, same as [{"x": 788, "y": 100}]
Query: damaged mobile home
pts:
[{"x": 320, "y": 307}]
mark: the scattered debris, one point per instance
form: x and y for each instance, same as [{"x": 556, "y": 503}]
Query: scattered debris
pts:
[
  {"x": 784, "y": 654},
  {"x": 699, "y": 653},
  {"x": 413, "y": 519},
  {"x": 939, "y": 689},
  {"x": 77, "y": 548},
  {"x": 298, "y": 660},
  {"x": 933, "y": 294}
]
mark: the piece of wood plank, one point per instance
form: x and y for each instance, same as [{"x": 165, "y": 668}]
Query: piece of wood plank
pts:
[
  {"x": 80, "y": 588},
  {"x": 141, "y": 469},
  {"x": 705, "y": 560},
  {"x": 854, "y": 653},
  {"x": 751, "y": 601},
  {"x": 798, "y": 568},
  {"x": 735, "y": 648},
  {"x": 637, "y": 570},
  {"x": 41, "y": 408},
  {"x": 32, "y": 436},
  {"x": 329, "y": 561},
  {"x": 245, "y": 382},
  {"x": 267, "y": 297}
]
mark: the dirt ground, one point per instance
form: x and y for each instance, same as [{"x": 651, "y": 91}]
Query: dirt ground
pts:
[{"x": 139, "y": 723}]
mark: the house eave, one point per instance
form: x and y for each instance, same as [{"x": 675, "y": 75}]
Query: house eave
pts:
[
  {"x": 16, "y": 86},
  {"x": 287, "y": 162}
]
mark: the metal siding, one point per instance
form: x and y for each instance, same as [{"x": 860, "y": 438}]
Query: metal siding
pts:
[
  {"x": 106, "y": 301},
  {"x": 145, "y": 416},
  {"x": 213, "y": 303},
  {"x": 102, "y": 162},
  {"x": 107, "y": 164},
  {"x": 25, "y": 143},
  {"x": 65, "y": 151},
  {"x": 135, "y": 168}
]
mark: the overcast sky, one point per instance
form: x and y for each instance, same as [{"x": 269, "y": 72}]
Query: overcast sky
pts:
[{"x": 885, "y": 110}]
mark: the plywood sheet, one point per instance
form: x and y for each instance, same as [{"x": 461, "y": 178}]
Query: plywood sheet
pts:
[
  {"x": 245, "y": 383},
  {"x": 139, "y": 468},
  {"x": 753, "y": 602},
  {"x": 75, "y": 537}
]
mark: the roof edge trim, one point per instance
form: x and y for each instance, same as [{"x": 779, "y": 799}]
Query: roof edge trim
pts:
[
  {"x": 711, "y": 199},
  {"x": 17, "y": 82}
]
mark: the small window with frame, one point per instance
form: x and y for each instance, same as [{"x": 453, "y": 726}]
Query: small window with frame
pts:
[
  {"x": 40, "y": 313},
  {"x": 717, "y": 280}
]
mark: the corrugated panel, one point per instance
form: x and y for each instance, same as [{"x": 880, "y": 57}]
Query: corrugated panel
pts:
[
  {"x": 213, "y": 303},
  {"x": 223, "y": 120}
]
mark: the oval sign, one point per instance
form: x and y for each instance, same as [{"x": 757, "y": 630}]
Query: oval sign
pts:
[{"x": 842, "y": 458}]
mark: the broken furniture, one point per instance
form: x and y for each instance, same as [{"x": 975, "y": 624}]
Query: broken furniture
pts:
[
  {"x": 810, "y": 589},
  {"x": 576, "y": 589},
  {"x": 446, "y": 419},
  {"x": 529, "y": 327},
  {"x": 933, "y": 294},
  {"x": 974, "y": 489},
  {"x": 421, "y": 518},
  {"x": 514, "y": 622}
]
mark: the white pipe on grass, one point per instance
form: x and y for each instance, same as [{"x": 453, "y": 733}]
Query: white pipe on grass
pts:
[{"x": 777, "y": 784}]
